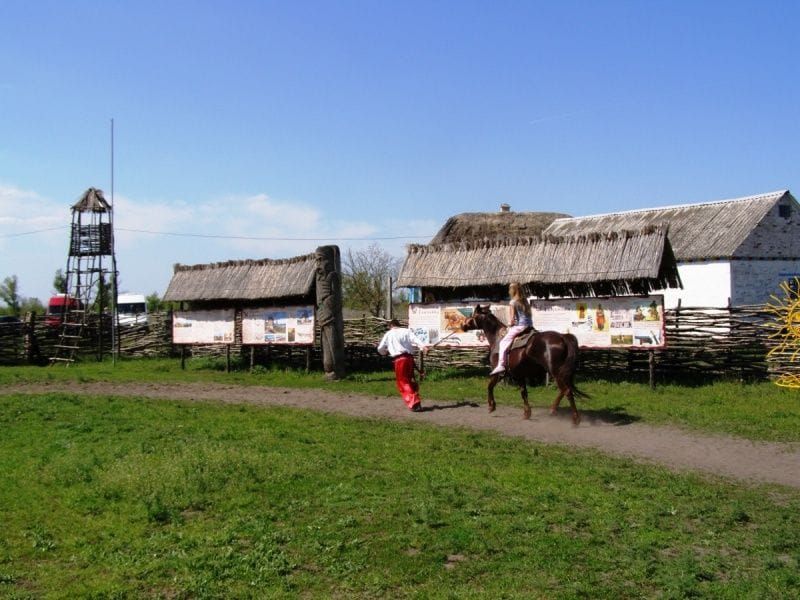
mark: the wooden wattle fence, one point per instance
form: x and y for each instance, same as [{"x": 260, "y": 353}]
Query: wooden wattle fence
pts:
[{"x": 702, "y": 344}]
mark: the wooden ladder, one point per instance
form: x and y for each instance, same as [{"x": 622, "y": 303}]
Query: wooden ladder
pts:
[{"x": 69, "y": 339}]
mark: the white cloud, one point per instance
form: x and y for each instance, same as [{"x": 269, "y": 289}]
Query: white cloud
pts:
[
  {"x": 33, "y": 239},
  {"x": 133, "y": 218},
  {"x": 21, "y": 209},
  {"x": 278, "y": 215},
  {"x": 152, "y": 235}
]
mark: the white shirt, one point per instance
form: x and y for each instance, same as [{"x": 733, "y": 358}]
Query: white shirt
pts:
[{"x": 399, "y": 340}]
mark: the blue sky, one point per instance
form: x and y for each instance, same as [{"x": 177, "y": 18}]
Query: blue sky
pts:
[{"x": 307, "y": 123}]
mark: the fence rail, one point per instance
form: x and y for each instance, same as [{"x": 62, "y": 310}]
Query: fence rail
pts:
[{"x": 744, "y": 342}]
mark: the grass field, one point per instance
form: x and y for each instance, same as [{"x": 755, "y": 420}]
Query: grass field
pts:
[
  {"x": 761, "y": 411},
  {"x": 105, "y": 497}
]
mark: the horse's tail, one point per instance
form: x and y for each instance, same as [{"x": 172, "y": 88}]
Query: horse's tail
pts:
[{"x": 567, "y": 370}]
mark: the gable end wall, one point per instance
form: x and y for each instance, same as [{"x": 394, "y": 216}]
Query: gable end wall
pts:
[
  {"x": 774, "y": 237},
  {"x": 754, "y": 281}
]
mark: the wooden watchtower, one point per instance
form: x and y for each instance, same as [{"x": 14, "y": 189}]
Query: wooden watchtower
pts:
[{"x": 91, "y": 277}]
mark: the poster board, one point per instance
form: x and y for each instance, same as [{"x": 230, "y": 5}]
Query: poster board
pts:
[
  {"x": 278, "y": 325},
  {"x": 440, "y": 323},
  {"x": 618, "y": 322},
  {"x": 203, "y": 327}
]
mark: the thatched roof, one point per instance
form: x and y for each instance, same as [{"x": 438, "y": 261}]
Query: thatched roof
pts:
[
  {"x": 243, "y": 280},
  {"x": 593, "y": 264},
  {"x": 92, "y": 200},
  {"x": 494, "y": 226},
  {"x": 711, "y": 230}
]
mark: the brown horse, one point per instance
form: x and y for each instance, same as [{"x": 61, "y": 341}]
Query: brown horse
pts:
[{"x": 545, "y": 351}]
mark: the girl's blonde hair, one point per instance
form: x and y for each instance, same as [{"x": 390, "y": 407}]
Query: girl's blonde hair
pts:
[{"x": 515, "y": 291}]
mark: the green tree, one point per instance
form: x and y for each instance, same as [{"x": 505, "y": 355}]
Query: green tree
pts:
[
  {"x": 103, "y": 294},
  {"x": 365, "y": 276},
  {"x": 60, "y": 282},
  {"x": 9, "y": 293},
  {"x": 31, "y": 305},
  {"x": 154, "y": 303}
]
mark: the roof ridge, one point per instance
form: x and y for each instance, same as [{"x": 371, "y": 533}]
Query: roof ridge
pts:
[
  {"x": 776, "y": 194},
  {"x": 244, "y": 262},
  {"x": 543, "y": 238}
]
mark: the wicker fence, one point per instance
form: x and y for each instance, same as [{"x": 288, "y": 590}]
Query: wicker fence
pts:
[{"x": 702, "y": 344}]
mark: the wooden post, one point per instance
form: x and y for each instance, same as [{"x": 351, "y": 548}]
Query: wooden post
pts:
[
  {"x": 329, "y": 311},
  {"x": 308, "y": 359},
  {"x": 30, "y": 343},
  {"x": 228, "y": 358},
  {"x": 652, "y": 364},
  {"x": 252, "y": 357},
  {"x": 183, "y": 357},
  {"x": 389, "y": 307}
]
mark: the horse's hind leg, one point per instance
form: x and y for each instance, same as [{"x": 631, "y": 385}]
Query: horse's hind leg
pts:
[
  {"x": 523, "y": 391},
  {"x": 576, "y": 416},
  {"x": 562, "y": 389},
  {"x": 556, "y": 402}
]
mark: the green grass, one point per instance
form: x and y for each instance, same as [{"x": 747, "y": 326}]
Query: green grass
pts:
[
  {"x": 107, "y": 497},
  {"x": 759, "y": 411}
]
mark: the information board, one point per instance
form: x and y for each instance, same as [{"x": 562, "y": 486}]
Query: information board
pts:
[
  {"x": 278, "y": 325},
  {"x": 618, "y": 322},
  {"x": 203, "y": 327},
  {"x": 441, "y": 323}
]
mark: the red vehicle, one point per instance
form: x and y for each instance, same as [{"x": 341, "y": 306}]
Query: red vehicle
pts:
[{"x": 58, "y": 306}]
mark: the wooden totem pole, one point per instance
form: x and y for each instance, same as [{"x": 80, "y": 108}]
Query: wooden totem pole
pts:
[{"x": 329, "y": 311}]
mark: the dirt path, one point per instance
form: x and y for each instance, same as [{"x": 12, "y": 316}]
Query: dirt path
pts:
[{"x": 734, "y": 458}]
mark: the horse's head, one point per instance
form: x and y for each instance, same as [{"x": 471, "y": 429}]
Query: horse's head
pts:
[{"x": 481, "y": 318}]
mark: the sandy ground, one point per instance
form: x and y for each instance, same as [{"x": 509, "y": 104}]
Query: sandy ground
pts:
[{"x": 718, "y": 455}]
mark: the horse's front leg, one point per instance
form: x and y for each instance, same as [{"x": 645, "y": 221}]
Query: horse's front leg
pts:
[
  {"x": 492, "y": 382},
  {"x": 523, "y": 391}
]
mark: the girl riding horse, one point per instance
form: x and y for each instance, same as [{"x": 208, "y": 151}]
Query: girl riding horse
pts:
[{"x": 549, "y": 351}]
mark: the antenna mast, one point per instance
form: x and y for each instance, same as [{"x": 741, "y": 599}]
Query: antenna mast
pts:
[{"x": 115, "y": 341}]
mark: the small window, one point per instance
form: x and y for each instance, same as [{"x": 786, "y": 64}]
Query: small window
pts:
[{"x": 785, "y": 210}]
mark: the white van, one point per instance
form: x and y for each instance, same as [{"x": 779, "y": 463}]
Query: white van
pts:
[{"x": 131, "y": 310}]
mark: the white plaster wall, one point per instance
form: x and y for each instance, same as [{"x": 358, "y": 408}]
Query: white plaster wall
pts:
[
  {"x": 705, "y": 284},
  {"x": 753, "y": 281}
]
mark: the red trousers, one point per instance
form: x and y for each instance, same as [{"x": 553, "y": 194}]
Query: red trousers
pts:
[{"x": 406, "y": 383}]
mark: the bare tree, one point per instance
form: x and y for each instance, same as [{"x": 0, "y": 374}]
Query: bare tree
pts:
[{"x": 365, "y": 274}]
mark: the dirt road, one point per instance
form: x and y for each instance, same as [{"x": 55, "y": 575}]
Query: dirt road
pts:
[{"x": 735, "y": 458}]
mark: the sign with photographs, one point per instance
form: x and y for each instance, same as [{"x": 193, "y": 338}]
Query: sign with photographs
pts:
[
  {"x": 441, "y": 323},
  {"x": 203, "y": 327},
  {"x": 619, "y": 322},
  {"x": 278, "y": 325}
]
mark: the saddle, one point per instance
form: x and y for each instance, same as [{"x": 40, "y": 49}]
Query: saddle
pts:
[{"x": 522, "y": 339}]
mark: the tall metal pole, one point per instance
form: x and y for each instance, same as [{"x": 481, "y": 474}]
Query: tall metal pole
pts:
[{"x": 114, "y": 323}]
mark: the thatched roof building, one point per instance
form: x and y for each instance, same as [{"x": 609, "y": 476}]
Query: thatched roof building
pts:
[
  {"x": 243, "y": 280},
  {"x": 709, "y": 231},
  {"x": 504, "y": 224},
  {"x": 623, "y": 262}
]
